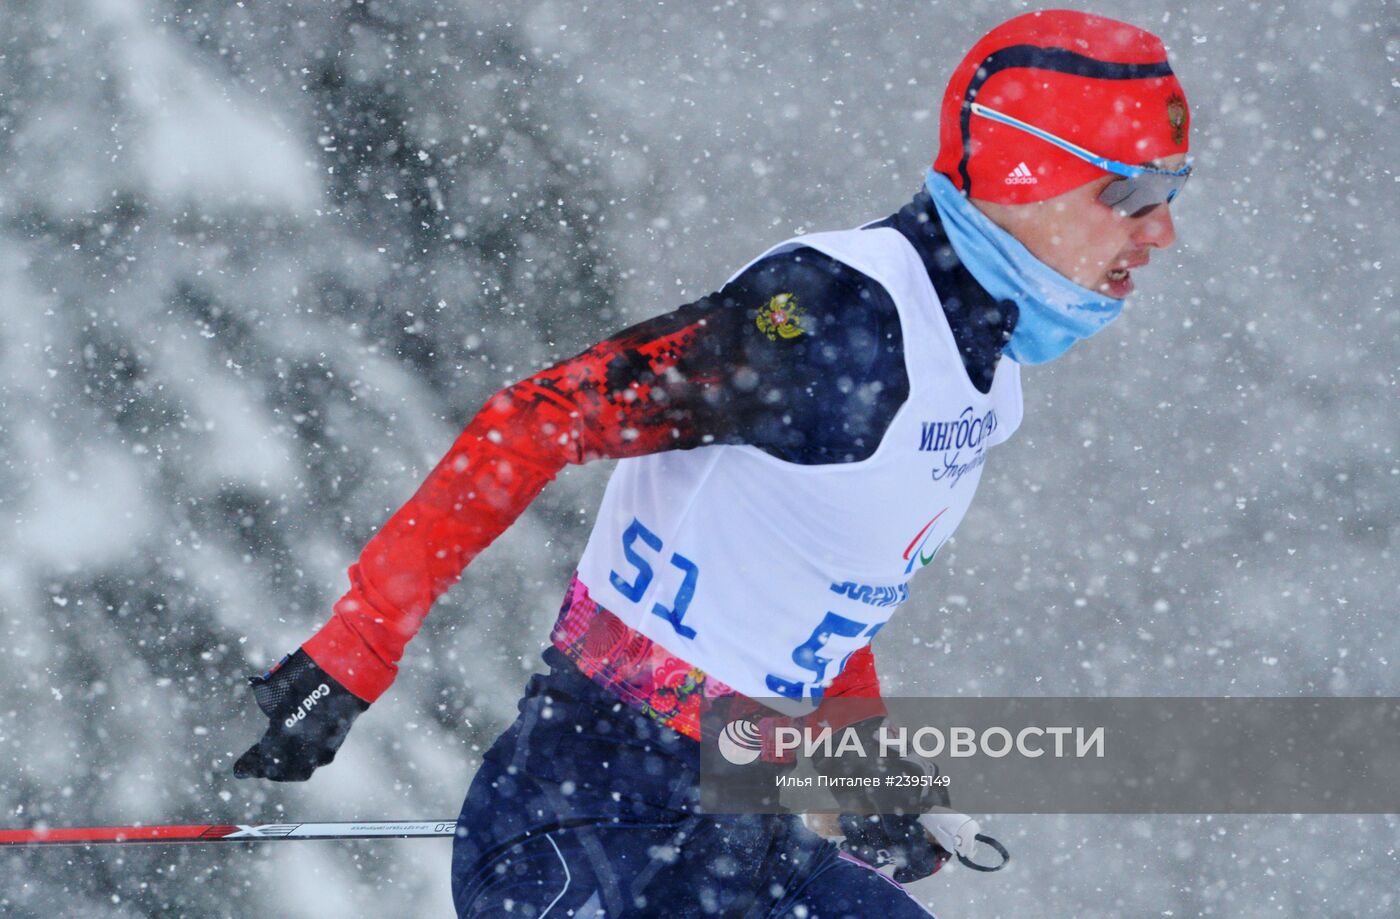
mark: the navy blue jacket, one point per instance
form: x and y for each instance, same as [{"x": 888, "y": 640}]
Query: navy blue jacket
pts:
[{"x": 827, "y": 395}]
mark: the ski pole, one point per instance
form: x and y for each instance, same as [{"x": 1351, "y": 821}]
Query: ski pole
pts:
[{"x": 256, "y": 832}]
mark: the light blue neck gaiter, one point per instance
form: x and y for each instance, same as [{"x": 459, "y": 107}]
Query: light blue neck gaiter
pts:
[{"x": 1055, "y": 312}]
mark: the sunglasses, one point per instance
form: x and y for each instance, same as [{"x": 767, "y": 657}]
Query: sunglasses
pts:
[{"x": 1141, "y": 188}]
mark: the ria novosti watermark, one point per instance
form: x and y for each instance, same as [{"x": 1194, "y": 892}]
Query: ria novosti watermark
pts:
[
  {"x": 958, "y": 742},
  {"x": 1106, "y": 755}
]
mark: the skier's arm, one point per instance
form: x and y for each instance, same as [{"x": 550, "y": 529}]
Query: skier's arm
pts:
[
  {"x": 609, "y": 401},
  {"x": 604, "y": 402}
]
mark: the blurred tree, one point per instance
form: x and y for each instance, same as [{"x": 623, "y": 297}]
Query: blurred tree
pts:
[{"x": 261, "y": 266}]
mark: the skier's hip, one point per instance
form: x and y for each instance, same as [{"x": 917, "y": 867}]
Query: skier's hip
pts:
[{"x": 587, "y": 807}]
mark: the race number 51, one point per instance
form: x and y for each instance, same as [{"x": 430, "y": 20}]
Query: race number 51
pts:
[{"x": 641, "y": 579}]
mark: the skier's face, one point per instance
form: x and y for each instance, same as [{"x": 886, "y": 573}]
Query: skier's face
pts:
[{"x": 1086, "y": 240}]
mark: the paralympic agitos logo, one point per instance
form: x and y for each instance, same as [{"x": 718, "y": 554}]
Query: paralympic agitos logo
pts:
[{"x": 914, "y": 553}]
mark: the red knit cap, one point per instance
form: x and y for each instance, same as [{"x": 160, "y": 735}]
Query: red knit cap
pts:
[{"x": 1102, "y": 84}]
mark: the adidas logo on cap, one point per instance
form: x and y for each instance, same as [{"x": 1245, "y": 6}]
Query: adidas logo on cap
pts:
[{"x": 1021, "y": 175}]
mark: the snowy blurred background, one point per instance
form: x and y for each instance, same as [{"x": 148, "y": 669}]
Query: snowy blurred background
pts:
[{"x": 260, "y": 262}]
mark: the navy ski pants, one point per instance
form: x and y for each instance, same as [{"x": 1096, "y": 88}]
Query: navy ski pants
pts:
[{"x": 585, "y": 807}]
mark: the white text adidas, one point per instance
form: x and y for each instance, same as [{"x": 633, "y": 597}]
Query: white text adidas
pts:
[{"x": 1021, "y": 175}]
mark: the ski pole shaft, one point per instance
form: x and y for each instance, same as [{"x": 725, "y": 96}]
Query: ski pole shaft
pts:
[{"x": 258, "y": 832}]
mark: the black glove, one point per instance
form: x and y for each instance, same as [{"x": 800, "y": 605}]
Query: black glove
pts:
[
  {"x": 310, "y": 714},
  {"x": 884, "y": 826}
]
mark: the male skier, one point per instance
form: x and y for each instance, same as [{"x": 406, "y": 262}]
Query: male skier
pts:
[{"x": 793, "y": 448}]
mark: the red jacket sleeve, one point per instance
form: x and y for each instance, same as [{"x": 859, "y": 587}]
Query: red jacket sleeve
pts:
[
  {"x": 606, "y": 402},
  {"x": 858, "y": 688},
  {"x": 858, "y": 680}
]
